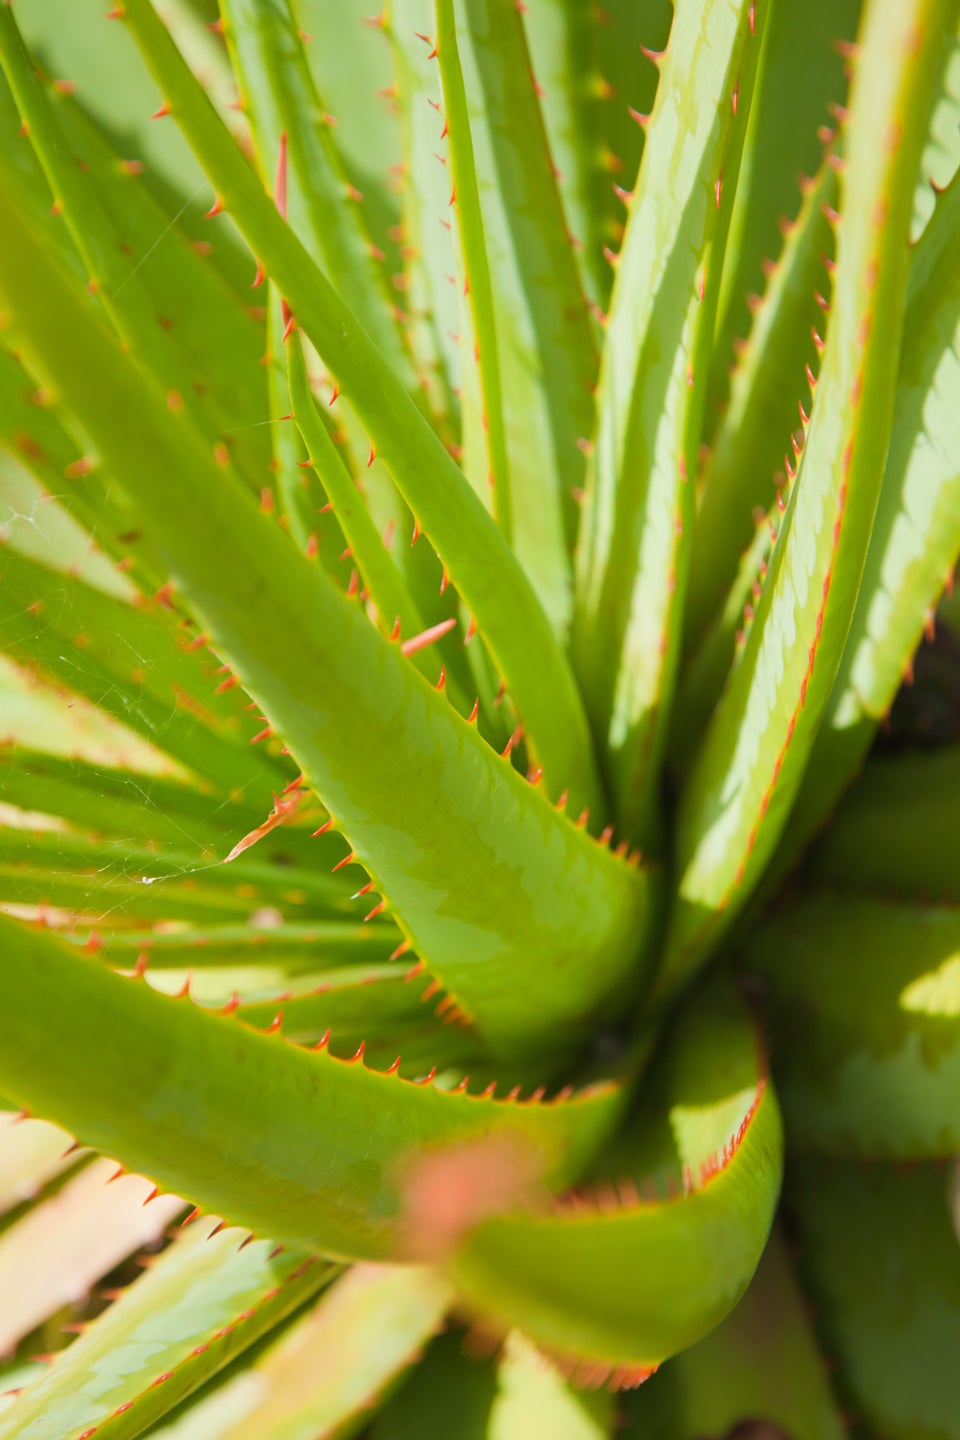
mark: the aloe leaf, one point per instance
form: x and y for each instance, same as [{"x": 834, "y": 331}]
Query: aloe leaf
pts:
[
  {"x": 202, "y": 1302},
  {"x": 747, "y": 454},
  {"x": 238, "y": 1113},
  {"x": 269, "y": 58},
  {"x": 124, "y": 803},
  {"x": 101, "y": 862},
  {"x": 881, "y": 1080},
  {"x": 67, "y": 1242},
  {"x": 427, "y": 283},
  {"x": 801, "y": 85},
  {"x": 215, "y": 334},
  {"x": 762, "y": 732},
  {"x": 533, "y": 1395},
  {"x": 484, "y": 570},
  {"x": 941, "y": 153},
  {"x": 894, "y": 833},
  {"x": 628, "y": 40},
  {"x": 350, "y": 61},
  {"x": 638, "y": 516},
  {"x": 132, "y": 662},
  {"x": 881, "y": 1261},
  {"x": 762, "y": 1364},
  {"x": 916, "y": 535},
  {"x": 377, "y": 570},
  {"x": 281, "y": 624},
  {"x": 120, "y": 286},
  {"x": 291, "y": 948},
  {"x": 36, "y": 435},
  {"x": 332, "y": 1367},
  {"x": 78, "y": 45},
  {"x": 356, "y": 1002},
  {"x": 534, "y": 343},
  {"x": 618, "y": 1282}
]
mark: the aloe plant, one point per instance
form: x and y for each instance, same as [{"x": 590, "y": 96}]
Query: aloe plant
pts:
[{"x": 461, "y": 543}]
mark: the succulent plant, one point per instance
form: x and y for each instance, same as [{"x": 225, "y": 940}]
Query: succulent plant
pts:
[{"x": 462, "y": 544}]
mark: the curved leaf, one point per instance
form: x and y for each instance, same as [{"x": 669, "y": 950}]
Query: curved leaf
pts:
[
  {"x": 760, "y": 1365},
  {"x": 619, "y": 1282},
  {"x": 546, "y": 897},
  {"x": 288, "y": 1141}
]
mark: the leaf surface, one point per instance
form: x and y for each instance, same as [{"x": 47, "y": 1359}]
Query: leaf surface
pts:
[
  {"x": 762, "y": 732},
  {"x": 288, "y": 1141},
  {"x": 202, "y": 1302}
]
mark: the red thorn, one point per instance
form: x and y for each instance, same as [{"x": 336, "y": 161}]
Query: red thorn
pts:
[
  {"x": 371, "y": 457},
  {"x": 324, "y": 1040},
  {"x": 427, "y": 637},
  {"x": 401, "y": 949},
  {"x": 380, "y": 906},
  {"x": 275, "y": 1023},
  {"x": 322, "y": 829},
  {"x": 442, "y": 682},
  {"x": 215, "y": 209},
  {"x": 280, "y": 183},
  {"x": 392, "y": 1070},
  {"x": 472, "y": 717},
  {"x": 347, "y": 860},
  {"x": 191, "y": 1216},
  {"x": 358, "y": 1053},
  {"x": 161, "y": 112},
  {"x": 289, "y": 327},
  {"x": 414, "y": 971},
  {"x": 260, "y": 276}
]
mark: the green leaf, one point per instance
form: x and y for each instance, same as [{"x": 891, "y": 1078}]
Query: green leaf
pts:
[
  {"x": 878, "y": 1077},
  {"x": 617, "y": 1281},
  {"x": 482, "y": 567},
  {"x": 762, "y": 732},
  {"x": 747, "y": 459},
  {"x": 331, "y": 1367},
  {"x": 894, "y": 833},
  {"x": 270, "y": 61},
  {"x": 200, "y": 1304},
  {"x": 761, "y": 1364},
  {"x": 123, "y": 803},
  {"x": 638, "y": 516},
  {"x": 546, "y": 899},
  {"x": 801, "y": 84},
  {"x": 287, "y": 1141},
  {"x": 108, "y": 214},
  {"x": 135, "y": 663},
  {"x": 883, "y": 1267},
  {"x": 293, "y": 948},
  {"x": 916, "y": 534},
  {"x": 530, "y": 316},
  {"x": 429, "y": 291}
]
